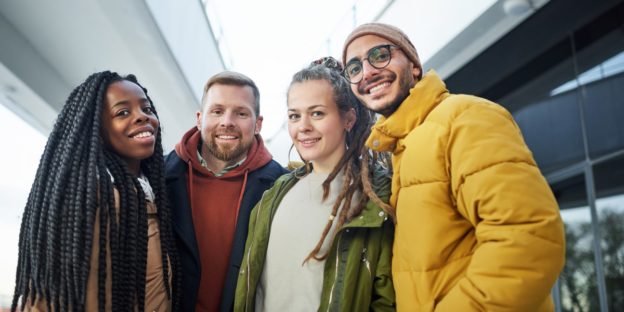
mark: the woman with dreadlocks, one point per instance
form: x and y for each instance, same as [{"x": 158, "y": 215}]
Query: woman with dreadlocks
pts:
[
  {"x": 286, "y": 266},
  {"x": 95, "y": 232}
]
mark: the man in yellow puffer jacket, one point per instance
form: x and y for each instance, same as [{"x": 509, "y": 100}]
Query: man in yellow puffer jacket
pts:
[{"x": 478, "y": 228}]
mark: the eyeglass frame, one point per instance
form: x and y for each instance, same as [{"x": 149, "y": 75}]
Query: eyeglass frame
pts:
[{"x": 368, "y": 53}]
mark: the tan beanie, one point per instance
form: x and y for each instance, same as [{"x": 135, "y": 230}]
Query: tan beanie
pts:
[{"x": 389, "y": 32}]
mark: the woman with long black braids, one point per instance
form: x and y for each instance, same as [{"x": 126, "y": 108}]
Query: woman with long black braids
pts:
[{"x": 101, "y": 172}]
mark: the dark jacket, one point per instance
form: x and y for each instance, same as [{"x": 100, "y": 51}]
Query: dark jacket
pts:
[{"x": 176, "y": 175}]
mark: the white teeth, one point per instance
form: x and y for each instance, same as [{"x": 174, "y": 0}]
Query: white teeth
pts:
[
  {"x": 309, "y": 141},
  {"x": 143, "y": 134},
  {"x": 379, "y": 87},
  {"x": 226, "y": 137}
]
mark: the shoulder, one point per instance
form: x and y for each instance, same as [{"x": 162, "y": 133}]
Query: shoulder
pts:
[
  {"x": 284, "y": 179},
  {"x": 283, "y": 182},
  {"x": 174, "y": 166},
  {"x": 468, "y": 106},
  {"x": 172, "y": 157},
  {"x": 271, "y": 171}
]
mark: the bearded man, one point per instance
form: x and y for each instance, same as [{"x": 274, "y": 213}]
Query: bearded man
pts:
[{"x": 215, "y": 176}]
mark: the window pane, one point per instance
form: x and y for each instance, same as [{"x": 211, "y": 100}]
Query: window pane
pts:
[
  {"x": 579, "y": 291},
  {"x": 602, "y": 74},
  {"x": 577, "y": 282},
  {"x": 552, "y": 130},
  {"x": 609, "y": 178}
]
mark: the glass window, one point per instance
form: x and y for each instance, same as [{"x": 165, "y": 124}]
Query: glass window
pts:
[
  {"x": 603, "y": 96},
  {"x": 552, "y": 130},
  {"x": 609, "y": 177},
  {"x": 577, "y": 282}
]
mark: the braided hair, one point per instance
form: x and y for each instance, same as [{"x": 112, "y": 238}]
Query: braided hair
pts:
[
  {"x": 76, "y": 183},
  {"x": 356, "y": 162}
]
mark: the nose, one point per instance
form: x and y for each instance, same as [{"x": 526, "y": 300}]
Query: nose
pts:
[
  {"x": 304, "y": 124},
  {"x": 140, "y": 116},
  {"x": 227, "y": 119},
  {"x": 368, "y": 71}
]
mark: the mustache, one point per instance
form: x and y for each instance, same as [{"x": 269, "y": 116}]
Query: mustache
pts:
[
  {"x": 363, "y": 86},
  {"x": 227, "y": 131}
]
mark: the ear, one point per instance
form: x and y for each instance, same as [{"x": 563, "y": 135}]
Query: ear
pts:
[
  {"x": 258, "y": 125},
  {"x": 416, "y": 73},
  {"x": 350, "y": 119},
  {"x": 199, "y": 120}
]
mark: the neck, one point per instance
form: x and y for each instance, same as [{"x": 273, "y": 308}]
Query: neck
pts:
[
  {"x": 328, "y": 164},
  {"x": 215, "y": 164},
  {"x": 134, "y": 166}
]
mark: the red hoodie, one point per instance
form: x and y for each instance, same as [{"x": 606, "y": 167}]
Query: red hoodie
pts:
[{"x": 215, "y": 202}]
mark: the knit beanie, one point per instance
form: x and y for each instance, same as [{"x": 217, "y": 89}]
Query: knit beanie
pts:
[{"x": 389, "y": 32}]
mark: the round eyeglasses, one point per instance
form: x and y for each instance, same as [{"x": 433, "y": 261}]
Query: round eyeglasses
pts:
[{"x": 379, "y": 57}]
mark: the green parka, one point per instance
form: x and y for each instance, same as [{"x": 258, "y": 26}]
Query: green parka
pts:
[{"x": 357, "y": 274}]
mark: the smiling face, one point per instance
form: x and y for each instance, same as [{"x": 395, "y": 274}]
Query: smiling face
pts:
[
  {"x": 316, "y": 126},
  {"x": 129, "y": 125},
  {"x": 382, "y": 90},
  {"x": 227, "y": 124}
]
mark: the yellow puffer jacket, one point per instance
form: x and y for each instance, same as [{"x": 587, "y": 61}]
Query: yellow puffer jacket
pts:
[{"x": 478, "y": 228}]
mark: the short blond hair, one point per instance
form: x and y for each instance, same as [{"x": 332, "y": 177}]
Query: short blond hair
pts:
[{"x": 231, "y": 78}]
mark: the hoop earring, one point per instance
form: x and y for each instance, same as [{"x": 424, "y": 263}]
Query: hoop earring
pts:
[{"x": 295, "y": 165}]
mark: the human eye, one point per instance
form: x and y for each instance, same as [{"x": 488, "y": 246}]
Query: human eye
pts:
[
  {"x": 148, "y": 110},
  {"x": 293, "y": 117},
  {"x": 317, "y": 114},
  {"x": 122, "y": 112},
  {"x": 216, "y": 112},
  {"x": 243, "y": 114},
  {"x": 379, "y": 54},
  {"x": 354, "y": 68}
]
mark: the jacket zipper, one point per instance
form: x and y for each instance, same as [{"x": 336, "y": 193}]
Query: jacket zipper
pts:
[
  {"x": 331, "y": 291},
  {"x": 367, "y": 263}
]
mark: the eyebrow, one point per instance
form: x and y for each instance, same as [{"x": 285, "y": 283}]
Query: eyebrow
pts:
[
  {"x": 218, "y": 105},
  {"x": 355, "y": 58},
  {"x": 127, "y": 102},
  {"x": 366, "y": 55},
  {"x": 308, "y": 109}
]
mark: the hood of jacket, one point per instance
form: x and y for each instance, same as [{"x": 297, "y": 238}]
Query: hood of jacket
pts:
[
  {"x": 423, "y": 98},
  {"x": 257, "y": 156}
]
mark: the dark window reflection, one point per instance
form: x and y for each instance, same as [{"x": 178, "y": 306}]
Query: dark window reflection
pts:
[{"x": 610, "y": 206}]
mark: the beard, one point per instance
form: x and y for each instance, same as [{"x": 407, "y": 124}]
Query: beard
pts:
[
  {"x": 228, "y": 152},
  {"x": 406, "y": 82}
]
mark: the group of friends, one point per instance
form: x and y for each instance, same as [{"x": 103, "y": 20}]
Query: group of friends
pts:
[{"x": 408, "y": 198}]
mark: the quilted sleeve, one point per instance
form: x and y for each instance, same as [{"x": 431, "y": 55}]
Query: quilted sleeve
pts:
[{"x": 499, "y": 189}]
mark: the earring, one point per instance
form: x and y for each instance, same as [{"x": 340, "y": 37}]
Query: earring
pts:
[{"x": 295, "y": 164}]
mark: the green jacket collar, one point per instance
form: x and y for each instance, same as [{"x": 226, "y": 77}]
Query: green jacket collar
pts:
[{"x": 424, "y": 96}]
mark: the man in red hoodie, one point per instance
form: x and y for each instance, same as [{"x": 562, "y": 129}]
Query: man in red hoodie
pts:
[{"x": 217, "y": 173}]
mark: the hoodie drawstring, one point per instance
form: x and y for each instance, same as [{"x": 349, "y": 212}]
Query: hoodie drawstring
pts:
[
  {"x": 240, "y": 197},
  {"x": 190, "y": 182}
]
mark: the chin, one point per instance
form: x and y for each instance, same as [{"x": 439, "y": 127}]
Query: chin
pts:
[
  {"x": 378, "y": 107},
  {"x": 308, "y": 156}
]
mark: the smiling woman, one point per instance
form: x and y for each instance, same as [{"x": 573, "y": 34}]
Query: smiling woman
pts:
[
  {"x": 129, "y": 123},
  {"x": 321, "y": 237},
  {"x": 95, "y": 231}
]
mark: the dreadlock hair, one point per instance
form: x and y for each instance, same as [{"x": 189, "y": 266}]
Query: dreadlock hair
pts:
[
  {"x": 74, "y": 186},
  {"x": 356, "y": 161}
]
